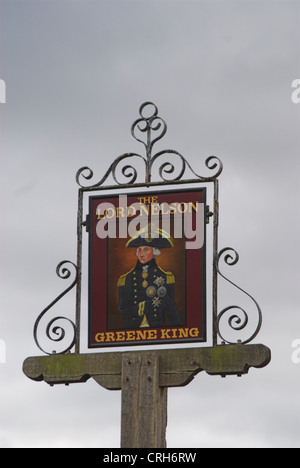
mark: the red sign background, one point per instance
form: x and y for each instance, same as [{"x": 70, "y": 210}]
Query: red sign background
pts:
[{"x": 109, "y": 259}]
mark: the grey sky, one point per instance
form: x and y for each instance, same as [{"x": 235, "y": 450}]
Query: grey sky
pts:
[{"x": 220, "y": 73}]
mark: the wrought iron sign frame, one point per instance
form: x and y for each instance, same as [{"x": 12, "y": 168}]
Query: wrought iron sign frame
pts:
[{"x": 154, "y": 128}]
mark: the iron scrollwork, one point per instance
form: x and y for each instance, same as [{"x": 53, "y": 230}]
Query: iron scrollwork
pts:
[
  {"x": 237, "y": 320},
  {"x": 57, "y": 332},
  {"x": 150, "y": 126},
  {"x": 148, "y": 129}
]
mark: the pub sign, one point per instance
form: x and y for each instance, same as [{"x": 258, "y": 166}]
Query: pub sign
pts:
[{"x": 147, "y": 268}]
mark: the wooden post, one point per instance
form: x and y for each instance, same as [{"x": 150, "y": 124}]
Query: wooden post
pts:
[{"x": 144, "y": 403}]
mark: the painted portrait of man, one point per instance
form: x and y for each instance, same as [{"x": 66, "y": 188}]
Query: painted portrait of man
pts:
[
  {"x": 146, "y": 285},
  {"x": 147, "y": 292}
]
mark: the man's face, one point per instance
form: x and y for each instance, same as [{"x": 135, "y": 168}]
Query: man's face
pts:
[{"x": 145, "y": 254}]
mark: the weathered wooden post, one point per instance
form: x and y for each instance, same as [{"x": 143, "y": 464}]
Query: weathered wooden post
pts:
[
  {"x": 152, "y": 300},
  {"x": 144, "y": 402}
]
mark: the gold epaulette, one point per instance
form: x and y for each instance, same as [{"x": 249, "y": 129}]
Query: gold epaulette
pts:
[
  {"x": 169, "y": 275},
  {"x": 122, "y": 279}
]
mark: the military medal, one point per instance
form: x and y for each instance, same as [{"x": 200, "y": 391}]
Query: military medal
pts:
[
  {"x": 156, "y": 302},
  {"x": 151, "y": 291},
  {"x": 161, "y": 292},
  {"x": 145, "y": 275},
  {"x": 159, "y": 281}
]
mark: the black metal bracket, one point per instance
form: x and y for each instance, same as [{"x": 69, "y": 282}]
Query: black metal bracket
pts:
[{"x": 148, "y": 129}]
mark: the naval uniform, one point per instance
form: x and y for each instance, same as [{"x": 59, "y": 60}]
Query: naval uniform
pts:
[{"x": 146, "y": 297}]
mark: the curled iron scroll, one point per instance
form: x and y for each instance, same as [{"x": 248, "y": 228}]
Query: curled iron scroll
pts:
[
  {"x": 238, "y": 320},
  {"x": 128, "y": 171},
  {"x": 148, "y": 129},
  {"x": 57, "y": 332}
]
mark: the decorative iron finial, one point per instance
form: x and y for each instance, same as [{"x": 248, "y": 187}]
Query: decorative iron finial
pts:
[{"x": 148, "y": 124}]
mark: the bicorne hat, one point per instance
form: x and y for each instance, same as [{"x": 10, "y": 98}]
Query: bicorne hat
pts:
[{"x": 151, "y": 236}]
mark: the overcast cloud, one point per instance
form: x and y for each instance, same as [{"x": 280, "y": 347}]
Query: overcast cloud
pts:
[{"x": 220, "y": 73}]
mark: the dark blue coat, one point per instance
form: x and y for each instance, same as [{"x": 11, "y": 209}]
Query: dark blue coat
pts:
[{"x": 146, "y": 298}]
